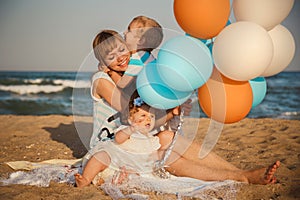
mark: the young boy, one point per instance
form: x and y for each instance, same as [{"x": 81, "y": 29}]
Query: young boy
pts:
[{"x": 142, "y": 36}]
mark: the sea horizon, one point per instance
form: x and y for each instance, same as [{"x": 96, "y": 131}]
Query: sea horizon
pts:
[{"x": 67, "y": 93}]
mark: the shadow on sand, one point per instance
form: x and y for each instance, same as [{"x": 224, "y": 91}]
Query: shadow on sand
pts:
[{"x": 77, "y": 139}]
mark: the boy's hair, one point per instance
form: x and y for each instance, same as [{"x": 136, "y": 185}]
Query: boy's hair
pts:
[
  {"x": 149, "y": 30},
  {"x": 105, "y": 42}
]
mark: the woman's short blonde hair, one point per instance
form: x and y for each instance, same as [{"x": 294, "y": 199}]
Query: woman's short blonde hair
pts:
[{"x": 105, "y": 42}]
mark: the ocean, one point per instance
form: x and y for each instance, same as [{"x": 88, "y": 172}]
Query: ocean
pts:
[{"x": 67, "y": 93}]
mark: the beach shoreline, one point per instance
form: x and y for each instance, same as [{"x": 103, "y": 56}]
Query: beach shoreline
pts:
[{"x": 247, "y": 144}]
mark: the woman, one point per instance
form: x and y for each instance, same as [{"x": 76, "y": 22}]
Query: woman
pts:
[{"x": 111, "y": 51}]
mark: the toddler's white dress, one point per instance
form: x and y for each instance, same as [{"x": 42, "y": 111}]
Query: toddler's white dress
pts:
[{"x": 138, "y": 153}]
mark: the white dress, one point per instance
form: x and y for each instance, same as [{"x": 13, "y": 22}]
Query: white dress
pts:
[{"x": 138, "y": 153}]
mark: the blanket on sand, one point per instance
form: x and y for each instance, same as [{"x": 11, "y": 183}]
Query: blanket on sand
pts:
[{"x": 62, "y": 171}]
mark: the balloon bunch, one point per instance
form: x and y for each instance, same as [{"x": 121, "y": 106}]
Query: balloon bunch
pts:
[{"x": 225, "y": 60}]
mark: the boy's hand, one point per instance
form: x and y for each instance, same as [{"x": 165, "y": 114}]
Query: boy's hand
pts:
[
  {"x": 105, "y": 69},
  {"x": 102, "y": 68},
  {"x": 114, "y": 75}
]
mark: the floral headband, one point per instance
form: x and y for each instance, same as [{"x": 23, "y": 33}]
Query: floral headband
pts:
[{"x": 138, "y": 101}]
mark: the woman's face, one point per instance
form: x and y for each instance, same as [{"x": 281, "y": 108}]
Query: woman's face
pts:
[{"x": 118, "y": 58}]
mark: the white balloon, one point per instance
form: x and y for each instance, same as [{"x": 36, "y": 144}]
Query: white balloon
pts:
[
  {"x": 284, "y": 50},
  {"x": 267, "y": 13},
  {"x": 242, "y": 51}
]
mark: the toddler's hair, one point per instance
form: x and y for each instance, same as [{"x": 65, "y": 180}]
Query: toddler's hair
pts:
[
  {"x": 149, "y": 30},
  {"x": 134, "y": 107},
  {"x": 105, "y": 42},
  {"x": 137, "y": 103}
]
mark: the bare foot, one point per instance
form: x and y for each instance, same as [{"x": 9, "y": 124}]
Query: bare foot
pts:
[
  {"x": 263, "y": 176},
  {"x": 81, "y": 181}
]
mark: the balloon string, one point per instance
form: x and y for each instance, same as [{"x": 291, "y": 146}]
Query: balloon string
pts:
[{"x": 158, "y": 169}]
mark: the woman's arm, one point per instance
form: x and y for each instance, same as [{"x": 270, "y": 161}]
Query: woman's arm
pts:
[
  {"x": 165, "y": 115},
  {"x": 119, "y": 99},
  {"x": 115, "y": 97}
]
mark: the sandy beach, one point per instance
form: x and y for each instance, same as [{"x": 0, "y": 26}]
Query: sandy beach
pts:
[{"x": 250, "y": 143}]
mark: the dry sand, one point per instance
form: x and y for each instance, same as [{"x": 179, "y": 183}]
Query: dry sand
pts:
[{"x": 247, "y": 144}]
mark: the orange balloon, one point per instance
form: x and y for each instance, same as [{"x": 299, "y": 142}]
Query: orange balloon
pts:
[
  {"x": 202, "y": 18},
  {"x": 225, "y": 100}
]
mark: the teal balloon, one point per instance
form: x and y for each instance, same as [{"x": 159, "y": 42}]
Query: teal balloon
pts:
[
  {"x": 210, "y": 46},
  {"x": 228, "y": 23},
  {"x": 259, "y": 90},
  {"x": 185, "y": 63},
  {"x": 155, "y": 92}
]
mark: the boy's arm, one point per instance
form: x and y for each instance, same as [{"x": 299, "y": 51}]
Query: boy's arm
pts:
[
  {"x": 121, "y": 81},
  {"x": 134, "y": 67},
  {"x": 124, "y": 81}
]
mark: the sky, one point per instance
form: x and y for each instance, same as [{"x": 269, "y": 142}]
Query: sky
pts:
[{"x": 56, "y": 35}]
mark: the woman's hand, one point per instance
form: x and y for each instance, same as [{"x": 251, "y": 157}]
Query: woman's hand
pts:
[
  {"x": 187, "y": 107},
  {"x": 176, "y": 111}
]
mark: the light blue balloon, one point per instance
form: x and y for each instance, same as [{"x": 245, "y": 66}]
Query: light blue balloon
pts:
[
  {"x": 259, "y": 90},
  {"x": 155, "y": 92},
  {"x": 185, "y": 63}
]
